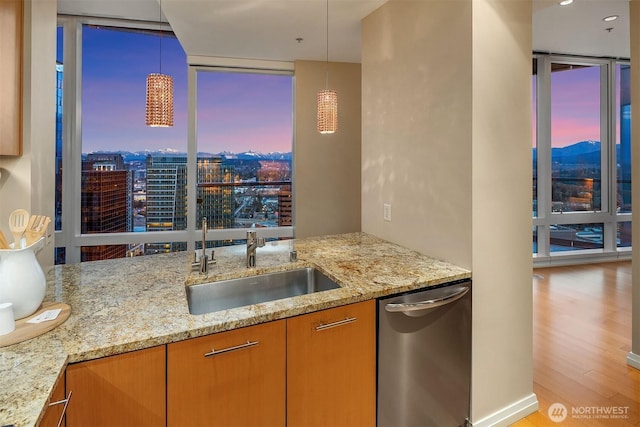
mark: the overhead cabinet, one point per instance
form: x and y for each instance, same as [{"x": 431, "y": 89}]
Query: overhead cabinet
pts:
[{"x": 11, "y": 25}]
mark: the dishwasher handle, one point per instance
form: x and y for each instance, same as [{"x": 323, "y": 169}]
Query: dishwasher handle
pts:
[{"x": 409, "y": 307}]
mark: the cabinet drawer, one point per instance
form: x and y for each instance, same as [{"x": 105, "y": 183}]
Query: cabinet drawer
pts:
[
  {"x": 331, "y": 358},
  {"x": 127, "y": 389},
  {"x": 234, "y": 378}
]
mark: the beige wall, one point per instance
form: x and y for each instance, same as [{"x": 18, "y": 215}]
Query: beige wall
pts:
[
  {"x": 416, "y": 129},
  {"x": 447, "y": 142},
  {"x": 501, "y": 198},
  {"x": 28, "y": 181},
  {"x": 327, "y": 167}
]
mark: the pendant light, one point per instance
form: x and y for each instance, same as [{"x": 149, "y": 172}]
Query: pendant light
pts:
[
  {"x": 159, "y": 93},
  {"x": 327, "y": 99}
]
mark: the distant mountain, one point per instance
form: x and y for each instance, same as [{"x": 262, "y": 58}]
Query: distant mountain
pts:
[
  {"x": 141, "y": 156},
  {"x": 253, "y": 155},
  {"x": 577, "y": 149},
  {"x": 583, "y": 153},
  {"x": 580, "y": 153}
]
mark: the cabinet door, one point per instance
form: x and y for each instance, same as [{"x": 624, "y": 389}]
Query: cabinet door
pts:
[
  {"x": 11, "y": 77},
  {"x": 331, "y": 360},
  {"x": 53, "y": 414},
  {"x": 124, "y": 390},
  {"x": 234, "y": 378}
]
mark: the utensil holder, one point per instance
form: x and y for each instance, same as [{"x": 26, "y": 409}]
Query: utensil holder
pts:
[{"x": 22, "y": 280}]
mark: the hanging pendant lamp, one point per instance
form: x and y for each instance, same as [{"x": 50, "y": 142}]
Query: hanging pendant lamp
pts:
[
  {"x": 159, "y": 93},
  {"x": 327, "y": 115}
]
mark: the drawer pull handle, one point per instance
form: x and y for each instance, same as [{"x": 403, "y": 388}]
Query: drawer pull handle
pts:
[
  {"x": 64, "y": 410},
  {"x": 215, "y": 352},
  {"x": 335, "y": 324}
]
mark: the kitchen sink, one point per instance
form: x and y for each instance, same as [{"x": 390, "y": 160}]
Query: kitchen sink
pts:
[{"x": 225, "y": 294}]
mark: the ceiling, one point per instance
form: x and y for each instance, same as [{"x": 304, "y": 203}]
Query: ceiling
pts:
[{"x": 269, "y": 29}]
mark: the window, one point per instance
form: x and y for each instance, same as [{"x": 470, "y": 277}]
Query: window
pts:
[
  {"x": 127, "y": 186},
  {"x": 576, "y": 153},
  {"x": 244, "y": 140},
  {"x": 581, "y": 152}
]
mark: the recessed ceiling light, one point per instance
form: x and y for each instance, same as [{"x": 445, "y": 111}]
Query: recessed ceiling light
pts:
[
  {"x": 566, "y": 2},
  {"x": 610, "y": 18}
]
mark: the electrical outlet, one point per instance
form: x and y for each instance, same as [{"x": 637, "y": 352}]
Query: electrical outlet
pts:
[{"x": 387, "y": 212}]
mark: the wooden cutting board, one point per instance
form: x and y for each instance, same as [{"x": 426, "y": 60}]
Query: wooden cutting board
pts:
[{"x": 25, "y": 331}]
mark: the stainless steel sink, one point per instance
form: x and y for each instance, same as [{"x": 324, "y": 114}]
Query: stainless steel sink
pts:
[{"x": 225, "y": 294}]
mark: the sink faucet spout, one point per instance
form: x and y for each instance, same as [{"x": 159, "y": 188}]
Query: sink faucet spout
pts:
[
  {"x": 253, "y": 242},
  {"x": 204, "y": 259}
]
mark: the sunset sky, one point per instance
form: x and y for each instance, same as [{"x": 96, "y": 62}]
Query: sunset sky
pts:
[
  {"x": 575, "y": 106},
  {"x": 236, "y": 112},
  {"x": 240, "y": 112}
]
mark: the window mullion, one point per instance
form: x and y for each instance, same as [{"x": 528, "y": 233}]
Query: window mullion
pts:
[
  {"x": 543, "y": 144},
  {"x": 192, "y": 170},
  {"x": 72, "y": 136}
]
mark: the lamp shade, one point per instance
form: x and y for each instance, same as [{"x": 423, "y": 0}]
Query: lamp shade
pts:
[
  {"x": 327, "y": 111},
  {"x": 159, "y": 100}
]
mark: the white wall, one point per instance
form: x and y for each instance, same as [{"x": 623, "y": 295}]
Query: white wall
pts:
[
  {"x": 447, "y": 141},
  {"x": 28, "y": 181}
]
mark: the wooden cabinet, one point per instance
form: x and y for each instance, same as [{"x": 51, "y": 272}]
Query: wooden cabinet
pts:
[
  {"x": 55, "y": 410},
  {"x": 316, "y": 369},
  {"x": 11, "y": 24},
  {"x": 234, "y": 378},
  {"x": 124, "y": 390},
  {"x": 331, "y": 367}
]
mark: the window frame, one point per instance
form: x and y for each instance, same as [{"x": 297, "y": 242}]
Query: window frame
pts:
[
  {"x": 608, "y": 214},
  {"x": 69, "y": 236}
]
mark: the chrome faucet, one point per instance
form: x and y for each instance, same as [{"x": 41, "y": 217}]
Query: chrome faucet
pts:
[
  {"x": 203, "y": 264},
  {"x": 253, "y": 243}
]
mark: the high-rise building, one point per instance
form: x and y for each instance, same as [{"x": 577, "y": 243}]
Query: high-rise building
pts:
[
  {"x": 167, "y": 196},
  {"x": 105, "y": 192},
  {"x": 58, "y": 196},
  {"x": 285, "y": 207},
  {"x": 215, "y": 202},
  {"x": 114, "y": 161}
]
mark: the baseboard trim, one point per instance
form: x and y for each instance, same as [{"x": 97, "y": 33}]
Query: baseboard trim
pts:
[
  {"x": 633, "y": 360},
  {"x": 510, "y": 414}
]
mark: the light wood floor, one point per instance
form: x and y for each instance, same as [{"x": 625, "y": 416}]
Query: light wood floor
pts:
[{"x": 581, "y": 338}]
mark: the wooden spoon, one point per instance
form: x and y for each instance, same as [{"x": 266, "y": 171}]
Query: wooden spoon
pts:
[
  {"x": 3, "y": 241},
  {"x": 32, "y": 233},
  {"x": 18, "y": 221}
]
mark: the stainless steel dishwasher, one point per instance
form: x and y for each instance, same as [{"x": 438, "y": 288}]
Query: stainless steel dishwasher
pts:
[{"x": 424, "y": 357}]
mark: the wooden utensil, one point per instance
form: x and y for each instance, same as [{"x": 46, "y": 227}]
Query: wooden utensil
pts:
[
  {"x": 44, "y": 226},
  {"x": 33, "y": 231},
  {"x": 18, "y": 221},
  {"x": 3, "y": 241}
]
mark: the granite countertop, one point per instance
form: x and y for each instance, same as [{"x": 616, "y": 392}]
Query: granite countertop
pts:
[{"x": 134, "y": 303}]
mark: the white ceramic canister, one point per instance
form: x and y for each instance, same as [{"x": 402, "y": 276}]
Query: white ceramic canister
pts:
[
  {"x": 7, "y": 324},
  {"x": 22, "y": 280}
]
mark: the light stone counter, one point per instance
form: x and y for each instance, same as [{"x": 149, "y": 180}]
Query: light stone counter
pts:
[{"x": 134, "y": 303}]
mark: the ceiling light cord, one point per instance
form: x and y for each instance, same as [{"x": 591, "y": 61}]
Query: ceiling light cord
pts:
[
  {"x": 160, "y": 28},
  {"x": 327, "y": 63}
]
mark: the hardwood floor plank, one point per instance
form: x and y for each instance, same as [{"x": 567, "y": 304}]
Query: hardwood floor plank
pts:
[{"x": 582, "y": 335}]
